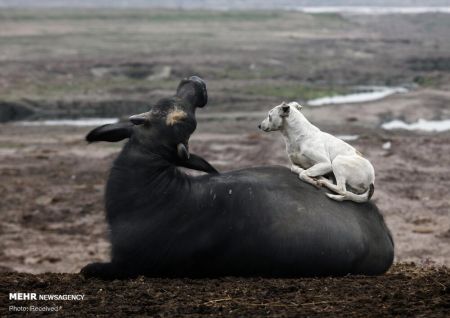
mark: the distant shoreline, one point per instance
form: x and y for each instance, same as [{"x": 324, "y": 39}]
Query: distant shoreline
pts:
[
  {"x": 365, "y": 10},
  {"x": 373, "y": 10}
]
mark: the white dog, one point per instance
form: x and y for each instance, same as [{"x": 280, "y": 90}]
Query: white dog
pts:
[{"x": 314, "y": 153}]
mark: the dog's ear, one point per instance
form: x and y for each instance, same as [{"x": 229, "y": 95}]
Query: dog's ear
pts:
[
  {"x": 285, "y": 108},
  {"x": 296, "y": 105}
]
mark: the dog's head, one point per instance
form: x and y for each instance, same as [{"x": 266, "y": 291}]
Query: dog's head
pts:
[{"x": 275, "y": 118}]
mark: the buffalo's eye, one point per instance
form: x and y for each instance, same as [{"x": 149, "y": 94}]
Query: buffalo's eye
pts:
[{"x": 270, "y": 118}]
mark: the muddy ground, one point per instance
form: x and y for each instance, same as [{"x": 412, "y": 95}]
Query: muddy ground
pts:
[
  {"x": 53, "y": 221},
  {"x": 406, "y": 291},
  {"x": 53, "y": 181},
  {"x": 110, "y": 63}
]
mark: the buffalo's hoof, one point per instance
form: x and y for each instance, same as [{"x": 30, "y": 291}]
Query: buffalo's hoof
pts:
[{"x": 97, "y": 270}]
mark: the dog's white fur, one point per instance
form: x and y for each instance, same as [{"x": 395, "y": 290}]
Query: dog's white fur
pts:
[{"x": 314, "y": 153}]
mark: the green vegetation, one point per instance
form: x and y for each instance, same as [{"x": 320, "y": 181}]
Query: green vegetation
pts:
[
  {"x": 145, "y": 14},
  {"x": 96, "y": 54},
  {"x": 85, "y": 87},
  {"x": 427, "y": 81},
  {"x": 330, "y": 17},
  {"x": 244, "y": 72}
]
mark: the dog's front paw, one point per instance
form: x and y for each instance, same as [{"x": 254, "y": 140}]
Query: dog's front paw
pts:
[{"x": 295, "y": 169}]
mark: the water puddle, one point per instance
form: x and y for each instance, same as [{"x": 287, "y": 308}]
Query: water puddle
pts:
[
  {"x": 421, "y": 124},
  {"x": 348, "y": 137},
  {"x": 362, "y": 94},
  {"x": 374, "y": 10},
  {"x": 81, "y": 122}
]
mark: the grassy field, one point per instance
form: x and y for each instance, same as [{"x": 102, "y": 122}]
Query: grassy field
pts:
[{"x": 105, "y": 54}]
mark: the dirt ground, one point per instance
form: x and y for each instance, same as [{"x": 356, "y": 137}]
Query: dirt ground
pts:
[
  {"x": 53, "y": 221},
  {"x": 110, "y": 63},
  {"x": 406, "y": 291},
  {"x": 52, "y": 181}
]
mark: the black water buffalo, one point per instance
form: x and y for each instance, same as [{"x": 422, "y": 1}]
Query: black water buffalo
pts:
[{"x": 252, "y": 222}]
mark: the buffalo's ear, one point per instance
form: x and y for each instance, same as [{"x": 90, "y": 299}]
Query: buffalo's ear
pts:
[
  {"x": 111, "y": 132},
  {"x": 197, "y": 163}
]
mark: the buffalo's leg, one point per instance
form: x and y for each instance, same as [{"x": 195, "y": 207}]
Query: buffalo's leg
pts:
[{"x": 106, "y": 271}]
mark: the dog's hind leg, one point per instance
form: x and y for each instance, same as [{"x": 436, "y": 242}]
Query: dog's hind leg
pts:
[
  {"x": 317, "y": 170},
  {"x": 340, "y": 187}
]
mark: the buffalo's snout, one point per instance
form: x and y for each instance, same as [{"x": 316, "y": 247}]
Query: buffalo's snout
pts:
[{"x": 194, "y": 91}]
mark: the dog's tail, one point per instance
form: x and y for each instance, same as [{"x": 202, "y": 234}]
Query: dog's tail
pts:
[{"x": 360, "y": 198}]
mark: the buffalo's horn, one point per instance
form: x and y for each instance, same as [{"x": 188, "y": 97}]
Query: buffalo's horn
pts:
[
  {"x": 140, "y": 119},
  {"x": 182, "y": 152}
]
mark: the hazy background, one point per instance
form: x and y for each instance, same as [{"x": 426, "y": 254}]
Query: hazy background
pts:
[
  {"x": 70, "y": 65},
  {"x": 220, "y": 4}
]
